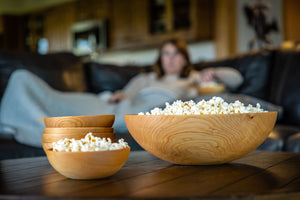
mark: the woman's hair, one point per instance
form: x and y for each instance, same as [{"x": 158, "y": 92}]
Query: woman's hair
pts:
[{"x": 182, "y": 49}]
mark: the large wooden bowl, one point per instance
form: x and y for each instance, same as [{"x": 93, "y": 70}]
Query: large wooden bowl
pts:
[
  {"x": 88, "y": 165},
  {"x": 80, "y": 121},
  {"x": 55, "y": 137},
  {"x": 200, "y": 139},
  {"x": 78, "y": 130}
]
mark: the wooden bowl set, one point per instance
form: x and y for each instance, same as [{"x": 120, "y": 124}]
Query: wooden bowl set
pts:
[
  {"x": 77, "y": 127},
  {"x": 180, "y": 139},
  {"x": 82, "y": 165}
]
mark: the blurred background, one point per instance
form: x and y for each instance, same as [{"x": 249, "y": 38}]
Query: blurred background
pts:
[
  {"x": 129, "y": 32},
  {"x": 100, "y": 45}
]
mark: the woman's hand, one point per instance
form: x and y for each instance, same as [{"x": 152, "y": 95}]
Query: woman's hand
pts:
[
  {"x": 116, "y": 97},
  {"x": 207, "y": 75}
]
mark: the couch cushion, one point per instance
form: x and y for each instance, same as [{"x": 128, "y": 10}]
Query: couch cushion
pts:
[
  {"x": 284, "y": 84},
  {"x": 104, "y": 77},
  {"x": 62, "y": 71},
  {"x": 293, "y": 143},
  {"x": 10, "y": 149}
]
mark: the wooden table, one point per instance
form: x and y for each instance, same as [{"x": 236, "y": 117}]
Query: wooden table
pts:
[{"x": 259, "y": 175}]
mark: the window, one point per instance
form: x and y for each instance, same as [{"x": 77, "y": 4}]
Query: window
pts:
[
  {"x": 158, "y": 16},
  {"x": 181, "y": 10}
]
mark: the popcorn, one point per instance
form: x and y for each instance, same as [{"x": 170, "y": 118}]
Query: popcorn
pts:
[
  {"x": 88, "y": 143},
  {"x": 215, "y": 105}
]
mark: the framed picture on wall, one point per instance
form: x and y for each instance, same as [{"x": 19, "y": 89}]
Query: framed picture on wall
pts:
[{"x": 259, "y": 24}]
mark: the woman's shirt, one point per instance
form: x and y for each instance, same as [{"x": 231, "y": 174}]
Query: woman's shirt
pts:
[
  {"x": 182, "y": 87},
  {"x": 173, "y": 83}
]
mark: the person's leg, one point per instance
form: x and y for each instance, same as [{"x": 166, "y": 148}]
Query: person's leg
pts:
[
  {"x": 143, "y": 102},
  {"x": 28, "y": 99}
]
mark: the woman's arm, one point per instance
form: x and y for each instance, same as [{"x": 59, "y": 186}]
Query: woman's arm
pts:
[
  {"x": 116, "y": 97},
  {"x": 231, "y": 77},
  {"x": 131, "y": 89}
]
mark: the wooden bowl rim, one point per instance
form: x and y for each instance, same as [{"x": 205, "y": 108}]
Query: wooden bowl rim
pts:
[
  {"x": 80, "y": 116},
  {"x": 51, "y": 136},
  {"x": 211, "y": 86},
  {"x": 78, "y": 128},
  {"x": 79, "y": 133},
  {"x": 203, "y": 115},
  {"x": 88, "y": 121},
  {"x": 81, "y": 152}
]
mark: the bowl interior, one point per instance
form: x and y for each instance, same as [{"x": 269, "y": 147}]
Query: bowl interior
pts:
[
  {"x": 201, "y": 139},
  {"x": 80, "y": 121}
]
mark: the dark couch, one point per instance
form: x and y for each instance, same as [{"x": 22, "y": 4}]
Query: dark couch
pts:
[{"x": 271, "y": 75}]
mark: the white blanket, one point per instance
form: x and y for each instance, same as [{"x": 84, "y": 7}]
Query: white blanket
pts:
[{"x": 28, "y": 99}]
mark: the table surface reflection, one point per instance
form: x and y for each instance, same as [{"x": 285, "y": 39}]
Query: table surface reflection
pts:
[{"x": 258, "y": 175}]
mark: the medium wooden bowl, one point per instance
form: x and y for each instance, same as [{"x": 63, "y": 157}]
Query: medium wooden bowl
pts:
[
  {"x": 78, "y": 130},
  {"x": 200, "y": 139},
  {"x": 88, "y": 165},
  {"x": 80, "y": 121},
  {"x": 55, "y": 137},
  {"x": 211, "y": 89}
]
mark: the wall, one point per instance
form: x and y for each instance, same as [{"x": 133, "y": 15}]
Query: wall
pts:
[
  {"x": 218, "y": 20},
  {"x": 128, "y": 23},
  {"x": 17, "y": 7},
  {"x": 57, "y": 26},
  {"x": 225, "y": 32},
  {"x": 13, "y": 33},
  {"x": 291, "y": 13},
  {"x": 232, "y": 32},
  {"x": 200, "y": 51},
  {"x": 1, "y": 25}
]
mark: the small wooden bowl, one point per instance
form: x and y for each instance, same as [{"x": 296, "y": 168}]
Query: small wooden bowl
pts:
[
  {"x": 78, "y": 130},
  {"x": 88, "y": 165},
  {"x": 213, "y": 89},
  {"x": 80, "y": 121},
  {"x": 47, "y": 145},
  {"x": 200, "y": 139},
  {"x": 55, "y": 137}
]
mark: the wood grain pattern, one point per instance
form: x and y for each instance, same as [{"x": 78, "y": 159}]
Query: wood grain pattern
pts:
[
  {"x": 58, "y": 34},
  {"x": 56, "y": 137},
  {"x": 47, "y": 146},
  {"x": 200, "y": 139},
  {"x": 78, "y": 130},
  {"x": 88, "y": 165},
  {"x": 225, "y": 24},
  {"x": 291, "y": 26},
  {"x": 124, "y": 17},
  {"x": 266, "y": 181},
  {"x": 258, "y": 175},
  {"x": 80, "y": 121}
]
